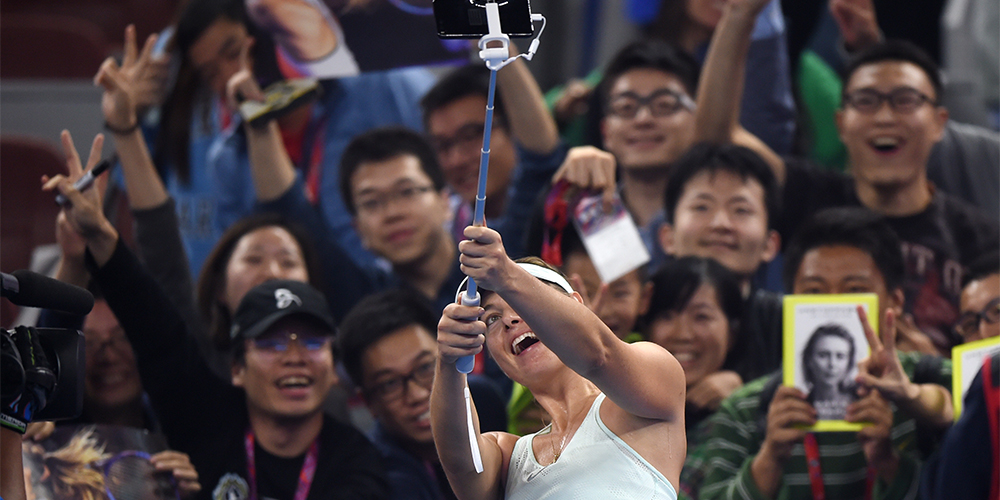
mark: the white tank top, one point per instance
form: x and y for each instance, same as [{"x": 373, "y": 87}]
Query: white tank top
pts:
[{"x": 596, "y": 464}]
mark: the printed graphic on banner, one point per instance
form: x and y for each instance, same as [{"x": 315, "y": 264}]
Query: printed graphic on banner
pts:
[
  {"x": 100, "y": 462},
  {"x": 336, "y": 38}
]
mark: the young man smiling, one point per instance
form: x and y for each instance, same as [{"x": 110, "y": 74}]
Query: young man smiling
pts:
[
  {"x": 264, "y": 433},
  {"x": 889, "y": 121},
  {"x": 647, "y": 124},
  {"x": 524, "y": 150},
  {"x": 395, "y": 191},
  {"x": 390, "y": 352},
  {"x": 721, "y": 203},
  {"x": 755, "y": 447}
]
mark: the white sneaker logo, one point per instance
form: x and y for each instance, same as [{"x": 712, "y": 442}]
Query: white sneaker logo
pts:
[{"x": 284, "y": 298}]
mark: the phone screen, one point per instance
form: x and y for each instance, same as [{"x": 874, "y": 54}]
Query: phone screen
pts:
[{"x": 467, "y": 18}]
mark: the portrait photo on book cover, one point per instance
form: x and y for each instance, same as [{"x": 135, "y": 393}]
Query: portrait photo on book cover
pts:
[{"x": 828, "y": 341}]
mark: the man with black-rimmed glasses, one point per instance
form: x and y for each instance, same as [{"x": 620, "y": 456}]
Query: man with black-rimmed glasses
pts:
[
  {"x": 890, "y": 119},
  {"x": 389, "y": 347}
]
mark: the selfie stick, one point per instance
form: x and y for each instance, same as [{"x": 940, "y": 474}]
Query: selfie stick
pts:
[{"x": 496, "y": 57}]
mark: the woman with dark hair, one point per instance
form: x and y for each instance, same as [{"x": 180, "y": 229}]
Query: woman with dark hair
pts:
[
  {"x": 827, "y": 362},
  {"x": 257, "y": 248},
  {"x": 205, "y": 43},
  {"x": 252, "y": 251},
  {"x": 695, "y": 314}
]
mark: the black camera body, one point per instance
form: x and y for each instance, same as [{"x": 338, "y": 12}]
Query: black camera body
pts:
[
  {"x": 64, "y": 349},
  {"x": 467, "y": 18},
  {"x": 65, "y": 358}
]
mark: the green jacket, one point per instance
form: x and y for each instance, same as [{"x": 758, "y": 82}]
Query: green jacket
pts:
[{"x": 719, "y": 467}]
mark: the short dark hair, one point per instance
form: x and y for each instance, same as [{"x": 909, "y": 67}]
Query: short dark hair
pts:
[
  {"x": 827, "y": 330},
  {"x": 383, "y": 144},
  {"x": 848, "y": 226},
  {"x": 983, "y": 266},
  {"x": 377, "y": 316},
  {"x": 676, "y": 281},
  {"x": 468, "y": 80},
  {"x": 212, "y": 280},
  {"x": 712, "y": 158},
  {"x": 650, "y": 54},
  {"x": 896, "y": 50}
]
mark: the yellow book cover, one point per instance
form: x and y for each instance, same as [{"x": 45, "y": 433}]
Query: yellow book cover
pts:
[
  {"x": 823, "y": 342},
  {"x": 966, "y": 360}
]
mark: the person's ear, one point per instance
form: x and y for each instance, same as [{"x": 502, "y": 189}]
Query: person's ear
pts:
[
  {"x": 940, "y": 121},
  {"x": 666, "y": 238},
  {"x": 579, "y": 298},
  {"x": 238, "y": 372},
  {"x": 771, "y": 246},
  {"x": 896, "y": 299}
]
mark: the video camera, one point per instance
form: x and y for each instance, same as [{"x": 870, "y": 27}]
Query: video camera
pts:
[{"x": 60, "y": 373}]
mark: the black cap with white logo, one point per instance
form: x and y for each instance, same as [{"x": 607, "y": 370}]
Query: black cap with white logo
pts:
[{"x": 274, "y": 300}]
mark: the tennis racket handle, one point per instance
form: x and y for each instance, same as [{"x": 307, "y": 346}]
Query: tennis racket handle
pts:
[{"x": 465, "y": 364}]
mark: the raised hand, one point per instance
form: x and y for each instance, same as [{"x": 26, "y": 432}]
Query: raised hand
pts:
[
  {"x": 179, "y": 465},
  {"x": 242, "y": 85},
  {"x": 147, "y": 75},
  {"x": 460, "y": 332},
  {"x": 928, "y": 403},
  {"x": 138, "y": 84},
  {"x": 587, "y": 167},
  {"x": 484, "y": 259},
  {"x": 881, "y": 369},
  {"x": 857, "y": 23},
  {"x": 83, "y": 216}
]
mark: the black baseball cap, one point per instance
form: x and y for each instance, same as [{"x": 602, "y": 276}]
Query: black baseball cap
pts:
[{"x": 271, "y": 301}]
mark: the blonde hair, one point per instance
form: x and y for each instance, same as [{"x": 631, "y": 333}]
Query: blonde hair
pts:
[{"x": 73, "y": 469}]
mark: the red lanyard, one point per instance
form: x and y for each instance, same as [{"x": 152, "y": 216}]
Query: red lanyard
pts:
[
  {"x": 556, "y": 219},
  {"x": 314, "y": 172},
  {"x": 305, "y": 476},
  {"x": 816, "y": 473}
]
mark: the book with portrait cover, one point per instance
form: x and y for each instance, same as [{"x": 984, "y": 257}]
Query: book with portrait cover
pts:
[
  {"x": 823, "y": 343},
  {"x": 966, "y": 360}
]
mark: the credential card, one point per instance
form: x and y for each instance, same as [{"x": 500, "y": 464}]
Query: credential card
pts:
[{"x": 612, "y": 239}]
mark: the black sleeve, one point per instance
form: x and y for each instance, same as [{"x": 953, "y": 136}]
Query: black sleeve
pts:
[
  {"x": 344, "y": 282},
  {"x": 158, "y": 237},
  {"x": 185, "y": 393},
  {"x": 355, "y": 471},
  {"x": 807, "y": 190}
]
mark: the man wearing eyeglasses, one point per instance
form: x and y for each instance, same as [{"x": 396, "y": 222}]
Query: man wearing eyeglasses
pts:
[
  {"x": 980, "y": 300},
  {"x": 284, "y": 362},
  {"x": 647, "y": 124},
  {"x": 890, "y": 120},
  {"x": 395, "y": 191},
  {"x": 524, "y": 147},
  {"x": 390, "y": 351}
]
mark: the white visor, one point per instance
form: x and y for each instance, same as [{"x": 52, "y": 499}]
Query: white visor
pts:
[{"x": 543, "y": 273}]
